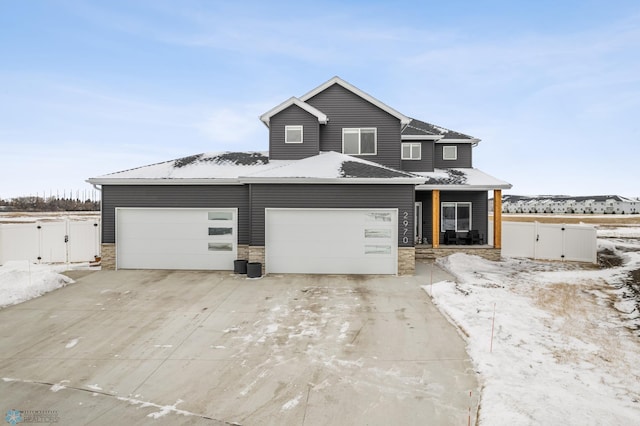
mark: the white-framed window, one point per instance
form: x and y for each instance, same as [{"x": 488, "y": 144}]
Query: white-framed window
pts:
[
  {"x": 411, "y": 151},
  {"x": 455, "y": 216},
  {"x": 360, "y": 141},
  {"x": 449, "y": 152},
  {"x": 293, "y": 134}
]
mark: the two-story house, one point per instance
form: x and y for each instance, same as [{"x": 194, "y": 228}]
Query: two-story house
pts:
[{"x": 349, "y": 186}]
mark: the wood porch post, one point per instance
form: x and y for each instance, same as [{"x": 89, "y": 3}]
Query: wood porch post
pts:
[
  {"x": 435, "y": 218},
  {"x": 497, "y": 218}
]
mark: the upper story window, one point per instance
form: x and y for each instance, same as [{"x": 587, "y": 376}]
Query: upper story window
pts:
[
  {"x": 293, "y": 134},
  {"x": 412, "y": 151},
  {"x": 450, "y": 152},
  {"x": 360, "y": 141}
]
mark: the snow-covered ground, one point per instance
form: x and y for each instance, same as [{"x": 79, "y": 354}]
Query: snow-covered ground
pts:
[
  {"x": 564, "y": 347},
  {"x": 627, "y": 232},
  {"x": 22, "y": 280}
]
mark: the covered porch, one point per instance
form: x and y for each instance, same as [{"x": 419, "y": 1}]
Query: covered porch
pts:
[{"x": 448, "y": 222}]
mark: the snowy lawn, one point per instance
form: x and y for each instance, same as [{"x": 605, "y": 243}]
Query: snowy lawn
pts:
[
  {"x": 566, "y": 343},
  {"x": 22, "y": 280}
]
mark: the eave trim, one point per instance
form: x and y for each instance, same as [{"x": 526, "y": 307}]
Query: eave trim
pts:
[{"x": 266, "y": 117}]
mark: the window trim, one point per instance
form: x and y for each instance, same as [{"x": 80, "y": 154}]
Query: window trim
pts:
[
  {"x": 360, "y": 129},
  {"x": 411, "y": 145},
  {"x": 293, "y": 127},
  {"x": 455, "y": 152},
  {"x": 455, "y": 204}
]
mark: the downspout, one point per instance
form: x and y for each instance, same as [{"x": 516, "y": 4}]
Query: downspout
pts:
[
  {"x": 250, "y": 215},
  {"x": 99, "y": 239}
]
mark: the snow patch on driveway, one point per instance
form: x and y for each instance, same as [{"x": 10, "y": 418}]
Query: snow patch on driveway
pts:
[{"x": 72, "y": 343}]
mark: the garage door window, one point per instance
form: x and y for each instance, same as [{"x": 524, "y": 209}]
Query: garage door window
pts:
[
  {"x": 377, "y": 249},
  {"x": 220, "y": 215},
  {"x": 220, "y": 231},
  {"x": 378, "y": 217},
  {"x": 377, "y": 233},
  {"x": 220, "y": 247}
]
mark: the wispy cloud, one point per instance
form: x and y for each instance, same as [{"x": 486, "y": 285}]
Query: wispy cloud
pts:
[{"x": 235, "y": 125}]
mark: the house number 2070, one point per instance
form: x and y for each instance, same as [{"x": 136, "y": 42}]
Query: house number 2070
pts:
[{"x": 405, "y": 227}]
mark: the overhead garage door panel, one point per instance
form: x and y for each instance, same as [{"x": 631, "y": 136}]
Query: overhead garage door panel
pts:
[
  {"x": 150, "y": 238},
  {"x": 340, "y": 241}
]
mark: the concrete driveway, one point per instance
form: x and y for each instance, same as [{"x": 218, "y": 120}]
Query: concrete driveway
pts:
[{"x": 168, "y": 347}]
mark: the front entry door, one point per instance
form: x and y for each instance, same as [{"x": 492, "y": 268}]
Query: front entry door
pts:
[{"x": 418, "y": 223}]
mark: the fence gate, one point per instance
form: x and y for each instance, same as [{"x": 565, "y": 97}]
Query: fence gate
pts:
[
  {"x": 50, "y": 242},
  {"x": 550, "y": 241}
]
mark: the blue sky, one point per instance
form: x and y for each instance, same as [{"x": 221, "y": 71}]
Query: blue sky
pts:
[{"x": 90, "y": 87}]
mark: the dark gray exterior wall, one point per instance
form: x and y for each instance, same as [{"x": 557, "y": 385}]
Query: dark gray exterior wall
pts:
[
  {"x": 464, "y": 156},
  {"x": 425, "y": 164},
  {"x": 292, "y": 116},
  {"x": 479, "y": 212},
  {"x": 332, "y": 196},
  {"x": 181, "y": 196},
  {"x": 345, "y": 109}
]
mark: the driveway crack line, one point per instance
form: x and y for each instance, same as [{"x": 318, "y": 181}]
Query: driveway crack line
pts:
[{"x": 133, "y": 401}]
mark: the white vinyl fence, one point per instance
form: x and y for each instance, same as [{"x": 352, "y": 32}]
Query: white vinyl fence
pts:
[
  {"x": 549, "y": 241},
  {"x": 50, "y": 242}
]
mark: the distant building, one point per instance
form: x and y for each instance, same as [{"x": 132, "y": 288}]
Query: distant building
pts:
[{"x": 564, "y": 204}]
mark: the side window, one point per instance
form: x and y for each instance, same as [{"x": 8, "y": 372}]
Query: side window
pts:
[
  {"x": 411, "y": 151},
  {"x": 450, "y": 152},
  {"x": 293, "y": 134}
]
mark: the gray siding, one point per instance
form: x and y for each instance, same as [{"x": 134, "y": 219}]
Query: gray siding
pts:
[
  {"x": 479, "y": 212},
  {"x": 292, "y": 116},
  {"x": 345, "y": 109},
  {"x": 331, "y": 196},
  {"x": 425, "y": 164},
  {"x": 195, "y": 196},
  {"x": 464, "y": 156}
]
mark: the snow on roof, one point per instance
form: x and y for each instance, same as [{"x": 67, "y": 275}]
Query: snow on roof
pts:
[
  {"x": 216, "y": 165},
  {"x": 334, "y": 165},
  {"x": 241, "y": 167},
  {"x": 460, "y": 179},
  {"x": 417, "y": 127}
]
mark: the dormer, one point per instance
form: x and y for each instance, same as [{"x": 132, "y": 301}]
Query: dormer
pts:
[
  {"x": 294, "y": 130},
  {"x": 426, "y": 146}
]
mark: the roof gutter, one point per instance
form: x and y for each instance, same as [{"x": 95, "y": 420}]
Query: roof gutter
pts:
[
  {"x": 333, "y": 181},
  {"x": 473, "y": 141},
  {"x": 421, "y": 137},
  {"x": 426, "y": 187},
  {"x": 170, "y": 181}
]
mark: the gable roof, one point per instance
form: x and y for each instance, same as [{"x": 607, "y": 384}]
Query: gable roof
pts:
[
  {"x": 266, "y": 117},
  {"x": 337, "y": 80},
  {"x": 417, "y": 129}
]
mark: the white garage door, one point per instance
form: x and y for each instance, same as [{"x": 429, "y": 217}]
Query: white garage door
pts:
[
  {"x": 148, "y": 238},
  {"x": 331, "y": 241}
]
